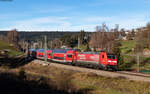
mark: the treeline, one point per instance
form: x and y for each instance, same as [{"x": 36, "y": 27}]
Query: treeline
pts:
[
  {"x": 25, "y": 40},
  {"x": 72, "y": 40},
  {"x": 36, "y": 35},
  {"x": 102, "y": 38}
]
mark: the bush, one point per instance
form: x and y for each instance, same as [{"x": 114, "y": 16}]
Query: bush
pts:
[{"x": 22, "y": 74}]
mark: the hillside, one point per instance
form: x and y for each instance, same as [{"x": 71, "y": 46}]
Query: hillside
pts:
[
  {"x": 12, "y": 50},
  {"x": 129, "y": 57},
  {"x": 127, "y": 46},
  {"x": 37, "y": 79}
]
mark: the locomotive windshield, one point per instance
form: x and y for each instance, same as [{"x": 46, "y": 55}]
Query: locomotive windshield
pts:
[{"x": 110, "y": 56}]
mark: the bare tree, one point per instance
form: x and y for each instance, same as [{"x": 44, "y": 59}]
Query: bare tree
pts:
[
  {"x": 13, "y": 37},
  {"x": 57, "y": 43},
  {"x": 2, "y": 38},
  {"x": 142, "y": 38},
  {"x": 102, "y": 38}
]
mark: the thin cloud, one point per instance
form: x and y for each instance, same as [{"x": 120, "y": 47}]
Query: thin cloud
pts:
[
  {"x": 51, "y": 8},
  {"x": 41, "y": 23},
  {"x": 69, "y": 23},
  {"x": 97, "y": 19},
  {"x": 124, "y": 21}
]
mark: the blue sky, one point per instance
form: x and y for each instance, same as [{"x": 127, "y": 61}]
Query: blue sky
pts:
[{"x": 73, "y": 14}]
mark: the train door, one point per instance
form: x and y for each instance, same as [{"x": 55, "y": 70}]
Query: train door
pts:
[
  {"x": 69, "y": 56},
  {"x": 40, "y": 55},
  {"x": 49, "y": 54},
  {"x": 75, "y": 56}
]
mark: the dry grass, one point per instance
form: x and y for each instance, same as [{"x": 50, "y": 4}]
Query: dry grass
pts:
[{"x": 81, "y": 83}]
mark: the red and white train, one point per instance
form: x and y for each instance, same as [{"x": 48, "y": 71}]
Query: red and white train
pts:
[{"x": 101, "y": 60}]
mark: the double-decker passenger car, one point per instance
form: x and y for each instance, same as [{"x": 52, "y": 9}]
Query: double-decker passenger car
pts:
[{"x": 63, "y": 55}]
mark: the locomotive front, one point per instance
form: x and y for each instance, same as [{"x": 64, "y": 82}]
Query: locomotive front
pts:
[{"x": 112, "y": 61}]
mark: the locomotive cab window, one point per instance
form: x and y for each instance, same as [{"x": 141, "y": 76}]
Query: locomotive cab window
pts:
[
  {"x": 69, "y": 55},
  {"x": 111, "y": 56}
]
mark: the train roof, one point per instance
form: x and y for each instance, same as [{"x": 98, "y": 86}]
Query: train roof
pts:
[
  {"x": 55, "y": 50},
  {"x": 90, "y": 52},
  {"x": 73, "y": 49},
  {"x": 59, "y": 51},
  {"x": 32, "y": 49},
  {"x": 41, "y": 50},
  {"x": 110, "y": 54},
  {"x": 64, "y": 50}
]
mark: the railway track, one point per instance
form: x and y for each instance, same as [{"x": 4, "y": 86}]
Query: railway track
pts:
[
  {"x": 120, "y": 74},
  {"x": 134, "y": 73}
]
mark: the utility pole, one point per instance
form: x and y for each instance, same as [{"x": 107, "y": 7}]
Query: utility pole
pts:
[
  {"x": 51, "y": 44},
  {"x": 27, "y": 48},
  {"x": 23, "y": 46},
  {"x": 45, "y": 37},
  {"x": 78, "y": 42},
  {"x": 138, "y": 62}
]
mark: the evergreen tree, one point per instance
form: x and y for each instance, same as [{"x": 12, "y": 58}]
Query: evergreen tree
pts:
[
  {"x": 117, "y": 52},
  {"x": 82, "y": 37},
  {"x": 88, "y": 48}
]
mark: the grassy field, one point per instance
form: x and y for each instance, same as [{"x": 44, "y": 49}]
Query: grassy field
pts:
[
  {"x": 71, "y": 82},
  {"x": 7, "y": 46},
  {"x": 130, "y": 62},
  {"x": 127, "y": 46}
]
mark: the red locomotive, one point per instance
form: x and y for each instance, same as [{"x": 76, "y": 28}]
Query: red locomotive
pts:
[{"x": 101, "y": 60}]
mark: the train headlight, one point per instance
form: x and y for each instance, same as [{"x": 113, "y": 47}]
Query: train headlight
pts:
[
  {"x": 114, "y": 61},
  {"x": 109, "y": 60}
]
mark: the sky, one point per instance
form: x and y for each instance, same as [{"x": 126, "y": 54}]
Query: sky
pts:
[{"x": 72, "y": 15}]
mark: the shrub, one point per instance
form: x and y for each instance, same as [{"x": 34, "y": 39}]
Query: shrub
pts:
[{"x": 22, "y": 74}]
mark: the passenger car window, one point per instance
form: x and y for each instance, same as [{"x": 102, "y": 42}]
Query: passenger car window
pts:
[
  {"x": 40, "y": 55},
  {"x": 70, "y": 56}
]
